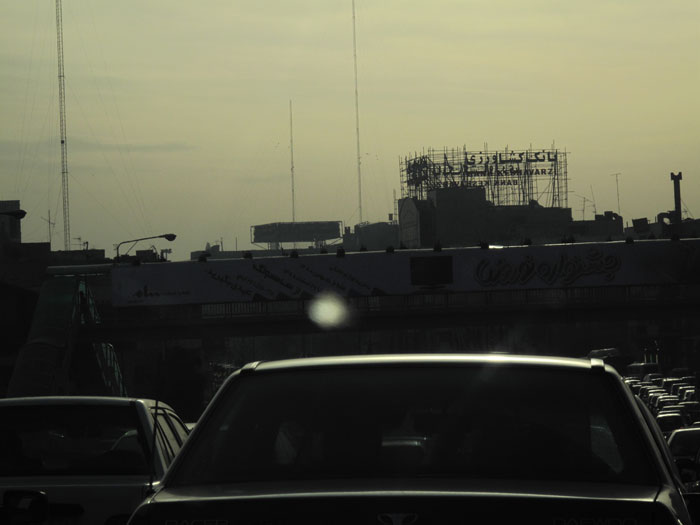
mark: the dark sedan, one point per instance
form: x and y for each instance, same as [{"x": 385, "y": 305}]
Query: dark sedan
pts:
[{"x": 398, "y": 440}]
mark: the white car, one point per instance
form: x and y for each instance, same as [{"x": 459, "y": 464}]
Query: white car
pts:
[{"x": 90, "y": 456}]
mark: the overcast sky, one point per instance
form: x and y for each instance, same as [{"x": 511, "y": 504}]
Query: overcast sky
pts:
[{"x": 178, "y": 112}]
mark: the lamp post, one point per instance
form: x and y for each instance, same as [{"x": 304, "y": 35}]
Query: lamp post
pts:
[
  {"x": 15, "y": 214},
  {"x": 166, "y": 236}
]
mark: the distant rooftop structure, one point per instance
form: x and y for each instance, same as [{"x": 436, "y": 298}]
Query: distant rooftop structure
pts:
[
  {"x": 276, "y": 233},
  {"x": 668, "y": 224},
  {"x": 10, "y": 229}
]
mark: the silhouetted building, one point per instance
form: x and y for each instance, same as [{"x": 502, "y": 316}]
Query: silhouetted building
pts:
[
  {"x": 77, "y": 257},
  {"x": 371, "y": 236},
  {"x": 606, "y": 226},
  {"x": 668, "y": 224},
  {"x": 462, "y": 216}
]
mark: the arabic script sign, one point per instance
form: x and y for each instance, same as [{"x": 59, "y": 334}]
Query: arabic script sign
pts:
[
  {"x": 564, "y": 270},
  {"x": 519, "y": 170}
]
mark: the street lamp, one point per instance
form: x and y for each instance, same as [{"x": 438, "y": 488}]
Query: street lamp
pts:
[
  {"x": 15, "y": 214},
  {"x": 166, "y": 236}
]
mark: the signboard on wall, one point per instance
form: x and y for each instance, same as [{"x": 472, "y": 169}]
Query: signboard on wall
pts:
[
  {"x": 408, "y": 272},
  {"x": 297, "y": 231}
]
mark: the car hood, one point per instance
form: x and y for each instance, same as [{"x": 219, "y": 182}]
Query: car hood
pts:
[{"x": 409, "y": 503}]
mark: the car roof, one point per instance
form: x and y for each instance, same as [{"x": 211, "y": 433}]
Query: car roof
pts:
[
  {"x": 668, "y": 415},
  {"x": 426, "y": 359},
  {"x": 78, "y": 400},
  {"x": 689, "y": 430}
]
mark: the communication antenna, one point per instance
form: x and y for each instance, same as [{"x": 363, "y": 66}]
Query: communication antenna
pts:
[
  {"x": 83, "y": 245},
  {"x": 617, "y": 185},
  {"x": 49, "y": 223},
  {"x": 357, "y": 115},
  {"x": 291, "y": 149},
  {"x": 62, "y": 115},
  {"x": 686, "y": 210},
  {"x": 595, "y": 212},
  {"x": 584, "y": 203}
]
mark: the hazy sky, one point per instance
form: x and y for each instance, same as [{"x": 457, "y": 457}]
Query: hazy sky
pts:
[{"x": 178, "y": 112}]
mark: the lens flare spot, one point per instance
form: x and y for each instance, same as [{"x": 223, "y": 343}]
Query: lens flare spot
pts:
[{"x": 328, "y": 310}]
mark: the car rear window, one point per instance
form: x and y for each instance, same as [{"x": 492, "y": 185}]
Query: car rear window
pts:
[
  {"x": 494, "y": 422},
  {"x": 70, "y": 440}
]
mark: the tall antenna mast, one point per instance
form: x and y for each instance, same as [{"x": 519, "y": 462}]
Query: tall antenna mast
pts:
[
  {"x": 62, "y": 112},
  {"x": 291, "y": 149},
  {"x": 617, "y": 185},
  {"x": 357, "y": 114}
]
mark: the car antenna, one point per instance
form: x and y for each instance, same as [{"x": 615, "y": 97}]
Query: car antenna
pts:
[{"x": 153, "y": 448}]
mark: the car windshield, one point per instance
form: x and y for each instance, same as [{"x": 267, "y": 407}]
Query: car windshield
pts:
[
  {"x": 418, "y": 422},
  {"x": 70, "y": 440}
]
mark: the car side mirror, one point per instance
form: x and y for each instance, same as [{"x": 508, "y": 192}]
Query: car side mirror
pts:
[
  {"x": 25, "y": 506},
  {"x": 687, "y": 468}
]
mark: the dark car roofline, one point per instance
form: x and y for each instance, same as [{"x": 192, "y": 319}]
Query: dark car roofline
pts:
[
  {"x": 79, "y": 400},
  {"x": 425, "y": 359}
]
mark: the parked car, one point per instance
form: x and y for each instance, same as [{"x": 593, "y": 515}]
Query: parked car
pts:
[
  {"x": 92, "y": 457},
  {"x": 398, "y": 440},
  {"x": 636, "y": 387},
  {"x": 677, "y": 386},
  {"x": 684, "y": 442},
  {"x": 651, "y": 394},
  {"x": 692, "y": 408},
  {"x": 668, "y": 382},
  {"x": 687, "y": 419},
  {"x": 645, "y": 390},
  {"x": 641, "y": 370},
  {"x": 669, "y": 421},
  {"x": 682, "y": 390},
  {"x": 664, "y": 401}
]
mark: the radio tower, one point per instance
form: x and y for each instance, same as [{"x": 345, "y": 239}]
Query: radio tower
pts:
[
  {"x": 62, "y": 113},
  {"x": 291, "y": 152},
  {"x": 357, "y": 115}
]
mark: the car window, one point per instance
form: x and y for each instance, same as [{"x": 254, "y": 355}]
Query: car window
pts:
[
  {"x": 166, "y": 433},
  {"x": 492, "y": 423},
  {"x": 164, "y": 445},
  {"x": 71, "y": 440},
  {"x": 178, "y": 427}
]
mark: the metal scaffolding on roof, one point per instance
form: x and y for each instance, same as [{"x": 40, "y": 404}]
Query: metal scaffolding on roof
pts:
[{"x": 509, "y": 177}]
